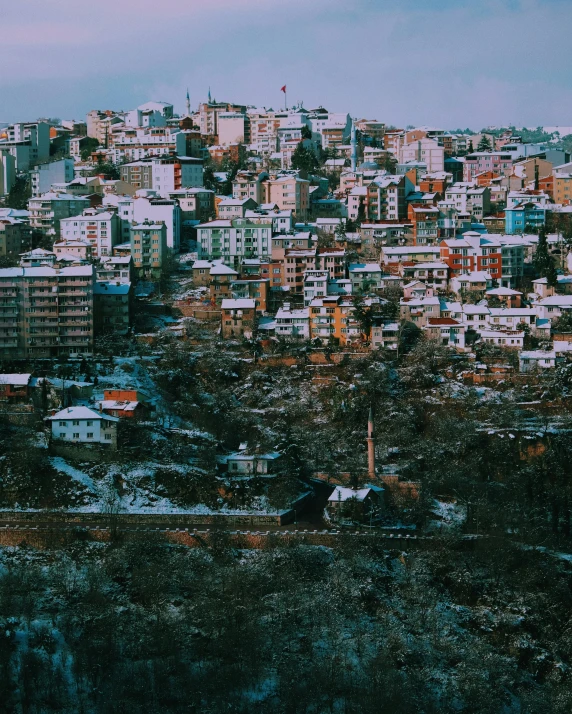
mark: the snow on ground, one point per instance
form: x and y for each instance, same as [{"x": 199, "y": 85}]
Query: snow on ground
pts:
[
  {"x": 449, "y": 515},
  {"x": 137, "y": 496}
]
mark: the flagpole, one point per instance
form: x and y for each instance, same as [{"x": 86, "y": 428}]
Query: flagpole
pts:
[{"x": 285, "y": 101}]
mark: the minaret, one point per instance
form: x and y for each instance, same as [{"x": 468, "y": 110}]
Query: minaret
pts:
[
  {"x": 210, "y": 100},
  {"x": 354, "y": 146},
  {"x": 188, "y": 103},
  {"x": 370, "y": 446}
]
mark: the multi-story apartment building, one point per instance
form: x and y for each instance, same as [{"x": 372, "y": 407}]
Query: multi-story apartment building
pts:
[
  {"x": 475, "y": 200},
  {"x": 46, "y": 311},
  {"x": 196, "y": 204},
  {"x": 148, "y": 248},
  {"x": 209, "y": 113},
  {"x": 112, "y": 307},
  {"x": 232, "y": 128},
  {"x": 136, "y": 144},
  {"x": 238, "y": 317},
  {"x": 425, "y": 220},
  {"x": 45, "y": 175},
  {"x": 249, "y": 184},
  {"x": 7, "y": 171},
  {"x": 14, "y": 237},
  {"x": 333, "y": 317},
  {"x": 281, "y": 220},
  {"x": 115, "y": 269},
  {"x": 234, "y": 207},
  {"x": 525, "y": 217},
  {"x": 385, "y": 199},
  {"x": 425, "y": 150},
  {"x": 233, "y": 240},
  {"x": 289, "y": 193},
  {"x": 137, "y": 173},
  {"x": 497, "y": 255},
  {"x": 101, "y": 229},
  {"x": 562, "y": 184},
  {"x": 29, "y": 143},
  {"x": 478, "y": 162},
  {"x": 164, "y": 174},
  {"x": 148, "y": 206},
  {"x": 98, "y": 123},
  {"x": 47, "y": 211}
]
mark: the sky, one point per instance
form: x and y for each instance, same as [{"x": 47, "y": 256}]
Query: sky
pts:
[{"x": 446, "y": 63}]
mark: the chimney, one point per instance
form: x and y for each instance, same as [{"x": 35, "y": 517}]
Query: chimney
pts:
[{"x": 370, "y": 446}]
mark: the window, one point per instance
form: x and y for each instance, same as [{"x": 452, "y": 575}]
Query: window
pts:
[
  {"x": 90, "y": 434},
  {"x": 89, "y": 423},
  {"x": 108, "y": 437},
  {"x": 75, "y": 422},
  {"x": 76, "y": 435},
  {"x": 63, "y": 423}
]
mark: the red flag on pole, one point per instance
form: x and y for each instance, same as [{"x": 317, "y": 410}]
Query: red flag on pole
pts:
[{"x": 283, "y": 89}]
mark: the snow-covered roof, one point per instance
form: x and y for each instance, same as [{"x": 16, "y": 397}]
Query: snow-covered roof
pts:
[
  {"x": 240, "y": 304},
  {"x": 345, "y": 494},
  {"x": 222, "y": 269},
  {"x": 111, "y": 288},
  {"x": 17, "y": 380},
  {"x": 365, "y": 268},
  {"x": 81, "y": 413},
  {"x": 503, "y": 292}
]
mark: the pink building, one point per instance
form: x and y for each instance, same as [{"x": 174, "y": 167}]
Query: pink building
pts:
[{"x": 480, "y": 161}]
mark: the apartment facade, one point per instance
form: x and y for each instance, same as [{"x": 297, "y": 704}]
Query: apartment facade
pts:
[
  {"x": 47, "y": 211},
  {"x": 233, "y": 240},
  {"x": 289, "y": 193},
  {"x": 45, "y": 175},
  {"x": 46, "y": 312},
  {"x": 100, "y": 229},
  {"x": 148, "y": 247}
]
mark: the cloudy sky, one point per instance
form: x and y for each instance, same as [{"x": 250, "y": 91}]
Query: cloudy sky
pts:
[{"x": 450, "y": 63}]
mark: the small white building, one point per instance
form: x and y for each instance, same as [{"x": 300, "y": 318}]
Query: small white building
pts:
[
  {"x": 81, "y": 425},
  {"x": 503, "y": 338},
  {"x": 293, "y": 323},
  {"x": 242, "y": 463},
  {"x": 536, "y": 360}
]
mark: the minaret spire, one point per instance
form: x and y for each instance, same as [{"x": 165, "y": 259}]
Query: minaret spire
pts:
[
  {"x": 354, "y": 146},
  {"x": 370, "y": 446},
  {"x": 188, "y": 103},
  {"x": 210, "y": 100}
]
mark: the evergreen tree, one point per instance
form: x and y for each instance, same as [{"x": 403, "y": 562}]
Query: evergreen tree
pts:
[
  {"x": 484, "y": 144},
  {"x": 303, "y": 159},
  {"x": 306, "y": 132},
  {"x": 19, "y": 194},
  {"x": 470, "y": 148},
  {"x": 543, "y": 261}
]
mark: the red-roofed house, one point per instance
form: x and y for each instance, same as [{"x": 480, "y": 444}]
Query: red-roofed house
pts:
[{"x": 447, "y": 331}]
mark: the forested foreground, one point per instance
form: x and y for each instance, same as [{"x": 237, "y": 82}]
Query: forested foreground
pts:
[{"x": 147, "y": 626}]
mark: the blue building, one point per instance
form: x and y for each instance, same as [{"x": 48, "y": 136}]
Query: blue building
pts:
[{"x": 524, "y": 218}]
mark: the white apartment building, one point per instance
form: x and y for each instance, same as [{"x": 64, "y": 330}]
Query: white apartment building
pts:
[
  {"x": 7, "y": 171},
  {"x": 136, "y": 144},
  {"x": 293, "y": 324},
  {"x": 150, "y": 114},
  {"x": 146, "y": 205},
  {"x": 233, "y": 240},
  {"x": 45, "y": 175},
  {"x": 101, "y": 229},
  {"x": 81, "y": 425}
]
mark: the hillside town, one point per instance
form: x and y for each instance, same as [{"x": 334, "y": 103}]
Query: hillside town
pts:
[{"x": 271, "y": 352}]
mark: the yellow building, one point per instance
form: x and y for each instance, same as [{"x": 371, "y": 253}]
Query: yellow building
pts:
[{"x": 563, "y": 183}]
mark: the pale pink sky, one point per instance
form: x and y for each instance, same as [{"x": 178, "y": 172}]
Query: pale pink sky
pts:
[{"x": 451, "y": 63}]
